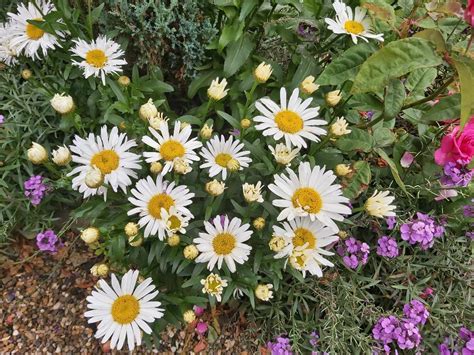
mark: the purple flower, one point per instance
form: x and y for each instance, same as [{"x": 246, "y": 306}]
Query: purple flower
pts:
[
  {"x": 2, "y": 119},
  {"x": 353, "y": 252},
  {"x": 410, "y": 336},
  {"x": 416, "y": 312},
  {"x": 468, "y": 210},
  {"x": 235, "y": 132},
  {"x": 201, "y": 327},
  {"x": 306, "y": 30},
  {"x": 457, "y": 174},
  {"x": 443, "y": 349},
  {"x": 387, "y": 247},
  {"x": 406, "y": 160},
  {"x": 48, "y": 241},
  {"x": 281, "y": 346},
  {"x": 464, "y": 345},
  {"x": 313, "y": 338},
  {"x": 391, "y": 222},
  {"x": 421, "y": 231},
  {"x": 198, "y": 311},
  {"x": 35, "y": 189},
  {"x": 386, "y": 329}
]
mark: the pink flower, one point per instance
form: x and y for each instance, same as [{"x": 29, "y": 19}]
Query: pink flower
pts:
[
  {"x": 199, "y": 311},
  {"x": 406, "y": 160},
  {"x": 469, "y": 13},
  {"x": 201, "y": 327},
  {"x": 444, "y": 194},
  {"x": 456, "y": 146}
]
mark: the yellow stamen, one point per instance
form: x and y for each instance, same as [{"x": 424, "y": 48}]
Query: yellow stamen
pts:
[
  {"x": 96, "y": 58},
  {"x": 171, "y": 150},
  {"x": 308, "y": 199},
  {"x": 106, "y": 161},
  {"x": 289, "y": 121},
  {"x": 354, "y": 27},
  {"x": 223, "y": 243},
  {"x": 125, "y": 309},
  {"x": 158, "y": 202},
  {"x": 222, "y": 159},
  {"x": 303, "y": 236},
  {"x": 33, "y": 32}
]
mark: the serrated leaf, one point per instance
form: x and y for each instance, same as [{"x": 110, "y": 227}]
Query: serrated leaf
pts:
[
  {"x": 237, "y": 54},
  {"x": 394, "y": 97},
  {"x": 356, "y": 140},
  {"x": 359, "y": 181},
  {"x": 465, "y": 69},
  {"x": 447, "y": 108},
  {"x": 393, "y": 168},
  {"x": 393, "y": 61}
]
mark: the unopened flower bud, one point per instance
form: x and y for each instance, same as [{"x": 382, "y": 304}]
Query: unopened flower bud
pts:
[
  {"x": 173, "y": 240},
  {"x": 343, "y": 170},
  {"x": 61, "y": 156},
  {"x": 148, "y": 110},
  {"x": 245, "y": 123},
  {"x": 190, "y": 252},
  {"x": 262, "y": 73},
  {"x": 156, "y": 167},
  {"x": 217, "y": 90},
  {"x": 308, "y": 86},
  {"x": 206, "y": 132},
  {"x": 333, "y": 97},
  {"x": 90, "y": 235},
  {"x": 131, "y": 229},
  {"x": 94, "y": 178},
  {"x": 123, "y": 80},
  {"x": 259, "y": 223},
  {"x": 37, "y": 154},
  {"x": 62, "y": 103},
  {"x": 26, "y": 74},
  {"x": 100, "y": 270},
  {"x": 215, "y": 188}
]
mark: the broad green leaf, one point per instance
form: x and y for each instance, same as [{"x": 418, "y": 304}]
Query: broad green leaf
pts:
[
  {"x": 393, "y": 61},
  {"x": 394, "y": 98},
  {"x": 230, "y": 33},
  {"x": 359, "y": 181},
  {"x": 237, "y": 54},
  {"x": 393, "y": 168},
  {"x": 345, "y": 66},
  {"x": 465, "y": 69},
  {"x": 200, "y": 81},
  {"x": 433, "y": 36},
  {"x": 306, "y": 67},
  {"x": 380, "y": 9},
  {"x": 418, "y": 80},
  {"x": 247, "y": 7},
  {"x": 383, "y": 137},
  {"x": 447, "y": 108},
  {"x": 356, "y": 140}
]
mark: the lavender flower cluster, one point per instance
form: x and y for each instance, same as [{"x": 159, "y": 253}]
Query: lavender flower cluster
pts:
[
  {"x": 353, "y": 252},
  {"x": 465, "y": 343},
  {"x": 35, "y": 189},
  {"x": 281, "y": 346},
  {"x": 457, "y": 174},
  {"x": 387, "y": 247},
  {"x": 421, "y": 231},
  {"x": 405, "y": 332},
  {"x": 48, "y": 241}
]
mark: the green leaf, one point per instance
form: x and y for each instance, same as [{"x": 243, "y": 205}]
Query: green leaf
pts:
[
  {"x": 383, "y": 137},
  {"x": 247, "y": 7},
  {"x": 380, "y": 9},
  {"x": 345, "y": 66},
  {"x": 433, "y": 36},
  {"x": 356, "y": 140},
  {"x": 392, "y": 61},
  {"x": 394, "y": 98},
  {"x": 465, "y": 68},
  {"x": 230, "y": 33},
  {"x": 306, "y": 67},
  {"x": 116, "y": 89},
  {"x": 393, "y": 168},
  {"x": 359, "y": 181},
  {"x": 200, "y": 81},
  {"x": 237, "y": 54},
  {"x": 232, "y": 121},
  {"x": 447, "y": 108},
  {"x": 420, "y": 79}
]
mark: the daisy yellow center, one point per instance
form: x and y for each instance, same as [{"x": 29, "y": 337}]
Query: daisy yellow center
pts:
[
  {"x": 106, "y": 161},
  {"x": 308, "y": 199},
  {"x": 96, "y": 58},
  {"x": 224, "y": 243},
  {"x": 353, "y": 27},
  {"x": 299, "y": 261},
  {"x": 125, "y": 309},
  {"x": 289, "y": 121},
  {"x": 171, "y": 149},
  {"x": 33, "y": 32},
  {"x": 303, "y": 236},
  {"x": 213, "y": 285},
  {"x": 223, "y": 158},
  {"x": 175, "y": 222},
  {"x": 158, "y": 202}
]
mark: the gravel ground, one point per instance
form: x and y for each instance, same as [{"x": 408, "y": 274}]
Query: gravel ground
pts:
[{"x": 44, "y": 298}]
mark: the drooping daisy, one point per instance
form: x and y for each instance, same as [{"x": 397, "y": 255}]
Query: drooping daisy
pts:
[
  {"x": 310, "y": 193},
  {"x": 100, "y": 57},
  {"x": 27, "y": 38},
  {"x": 305, "y": 240},
  {"x": 8, "y": 54},
  {"x": 123, "y": 310},
  {"x": 380, "y": 204},
  {"x": 292, "y": 120},
  {"x": 108, "y": 152},
  {"x": 174, "y": 221},
  {"x": 171, "y": 147},
  {"x": 151, "y": 197},
  {"x": 224, "y": 241},
  {"x": 357, "y": 25},
  {"x": 222, "y": 155}
]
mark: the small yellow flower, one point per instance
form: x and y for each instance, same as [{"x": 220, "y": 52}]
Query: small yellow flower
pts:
[
  {"x": 26, "y": 74},
  {"x": 37, "y": 154},
  {"x": 181, "y": 166},
  {"x": 342, "y": 234},
  {"x": 90, "y": 235},
  {"x": 339, "y": 128},
  {"x": 215, "y": 188},
  {"x": 277, "y": 243},
  {"x": 156, "y": 121},
  {"x": 62, "y": 103},
  {"x": 233, "y": 165},
  {"x": 148, "y": 110},
  {"x": 217, "y": 90},
  {"x": 100, "y": 270},
  {"x": 190, "y": 252},
  {"x": 156, "y": 167},
  {"x": 189, "y": 316},
  {"x": 308, "y": 86},
  {"x": 213, "y": 285},
  {"x": 94, "y": 177},
  {"x": 263, "y": 292},
  {"x": 135, "y": 240},
  {"x": 245, "y": 123},
  {"x": 333, "y": 97},
  {"x": 263, "y": 72},
  {"x": 259, "y": 223},
  {"x": 343, "y": 169},
  {"x": 123, "y": 80},
  {"x": 131, "y": 229},
  {"x": 61, "y": 156},
  {"x": 173, "y": 240},
  {"x": 379, "y": 205}
]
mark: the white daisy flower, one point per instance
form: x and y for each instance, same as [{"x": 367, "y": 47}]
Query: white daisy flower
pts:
[
  {"x": 8, "y": 54},
  {"x": 109, "y": 152},
  {"x": 151, "y": 197},
  {"x": 310, "y": 193},
  {"x": 292, "y": 120},
  {"x": 357, "y": 25},
  {"x": 305, "y": 240},
  {"x": 100, "y": 57},
  {"x": 123, "y": 310},
  {"x": 222, "y": 155},
  {"x": 171, "y": 147},
  {"x": 380, "y": 204},
  {"x": 224, "y": 241},
  {"x": 174, "y": 221},
  {"x": 27, "y": 38}
]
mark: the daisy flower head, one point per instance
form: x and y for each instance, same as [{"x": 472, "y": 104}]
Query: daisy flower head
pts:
[
  {"x": 27, "y": 38},
  {"x": 304, "y": 243},
  {"x": 284, "y": 154},
  {"x": 224, "y": 241},
  {"x": 213, "y": 285},
  {"x": 310, "y": 193},
  {"x": 221, "y": 155},
  {"x": 8, "y": 54},
  {"x": 171, "y": 147},
  {"x": 100, "y": 57},
  {"x": 356, "y": 24},
  {"x": 292, "y": 119},
  {"x": 174, "y": 221},
  {"x": 380, "y": 204},
  {"x": 123, "y": 310},
  {"x": 151, "y": 197},
  {"x": 108, "y": 152}
]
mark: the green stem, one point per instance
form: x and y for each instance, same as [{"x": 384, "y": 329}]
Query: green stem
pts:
[
  {"x": 250, "y": 97},
  {"x": 206, "y": 111},
  {"x": 432, "y": 96}
]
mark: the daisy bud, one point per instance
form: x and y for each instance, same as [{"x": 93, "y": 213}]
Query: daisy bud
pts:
[
  {"x": 37, "y": 154},
  {"x": 252, "y": 193},
  {"x": 189, "y": 316},
  {"x": 259, "y": 223},
  {"x": 343, "y": 170},
  {"x": 62, "y": 103},
  {"x": 100, "y": 270},
  {"x": 379, "y": 205},
  {"x": 148, "y": 110},
  {"x": 173, "y": 240},
  {"x": 262, "y": 72},
  {"x": 217, "y": 91},
  {"x": 181, "y": 166},
  {"x": 263, "y": 292},
  {"x": 215, "y": 188},
  {"x": 90, "y": 235},
  {"x": 123, "y": 126},
  {"x": 233, "y": 165},
  {"x": 123, "y": 80},
  {"x": 284, "y": 154},
  {"x": 190, "y": 252},
  {"x": 206, "y": 132},
  {"x": 308, "y": 86},
  {"x": 61, "y": 156},
  {"x": 339, "y": 128},
  {"x": 277, "y": 243},
  {"x": 156, "y": 167},
  {"x": 135, "y": 241},
  {"x": 342, "y": 234},
  {"x": 333, "y": 97},
  {"x": 26, "y": 74},
  {"x": 155, "y": 122},
  {"x": 245, "y": 123},
  {"x": 94, "y": 178},
  {"x": 131, "y": 229}
]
